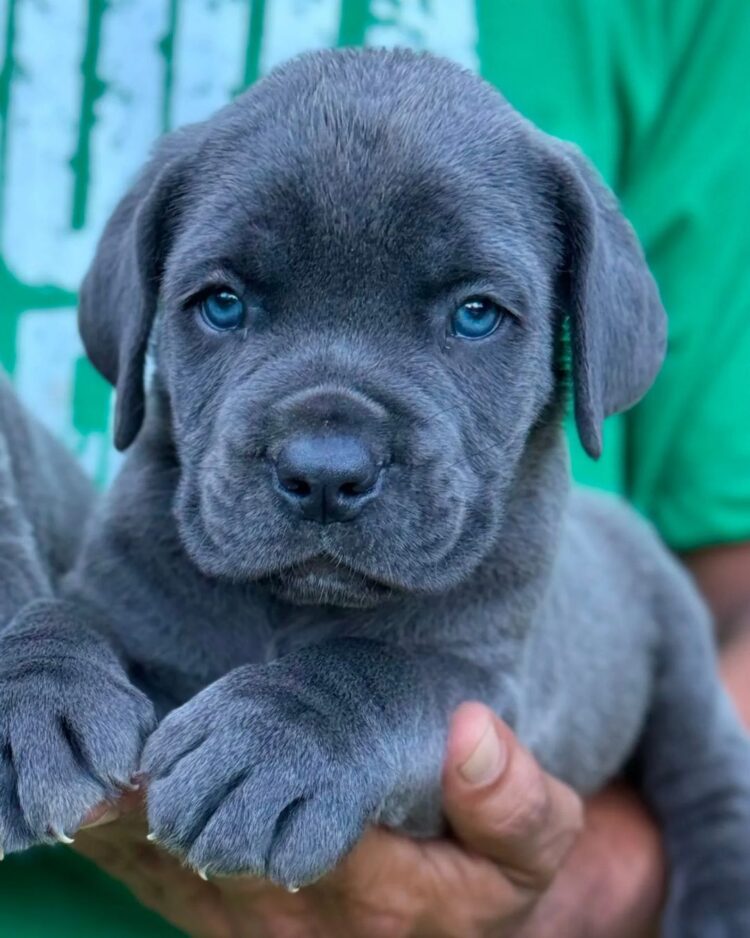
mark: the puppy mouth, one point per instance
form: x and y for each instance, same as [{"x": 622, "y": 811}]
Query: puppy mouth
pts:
[{"x": 321, "y": 581}]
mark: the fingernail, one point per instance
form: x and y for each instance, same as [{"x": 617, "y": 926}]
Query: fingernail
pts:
[
  {"x": 487, "y": 761},
  {"x": 111, "y": 814}
]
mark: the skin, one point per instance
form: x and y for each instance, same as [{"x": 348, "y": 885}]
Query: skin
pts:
[{"x": 517, "y": 866}]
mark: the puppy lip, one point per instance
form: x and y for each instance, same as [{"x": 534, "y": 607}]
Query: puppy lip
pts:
[
  {"x": 324, "y": 580},
  {"x": 319, "y": 565},
  {"x": 325, "y": 566}
]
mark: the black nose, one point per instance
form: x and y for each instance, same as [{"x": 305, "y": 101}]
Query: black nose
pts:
[{"x": 327, "y": 478}]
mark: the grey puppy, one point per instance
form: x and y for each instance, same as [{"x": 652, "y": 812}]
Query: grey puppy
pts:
[{"x": 346, "y": 507}]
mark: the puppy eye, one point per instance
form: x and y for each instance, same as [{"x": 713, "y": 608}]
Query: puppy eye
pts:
[
  {"x": 223, "y": 311},
  {"x": 477, "y": 318}
]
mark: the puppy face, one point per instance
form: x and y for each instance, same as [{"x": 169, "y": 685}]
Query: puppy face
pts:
[{"x": 360, "y": 268}]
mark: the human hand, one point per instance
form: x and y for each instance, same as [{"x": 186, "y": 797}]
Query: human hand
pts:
[{"x": 514, "y": 826}]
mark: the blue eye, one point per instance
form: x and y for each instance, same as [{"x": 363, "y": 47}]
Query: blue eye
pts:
[
  {"x": 223, "y": 310},
  {"x": 476, "y": 319}
]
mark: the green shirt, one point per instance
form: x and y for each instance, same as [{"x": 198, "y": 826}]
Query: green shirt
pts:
[{"x": 654, "y": 91}]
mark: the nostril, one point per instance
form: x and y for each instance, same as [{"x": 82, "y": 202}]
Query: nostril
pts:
[
  {"x": 298, "y": 487},
  {"x": 326, "y": 478},
  {"x": 352, "y": 489}
]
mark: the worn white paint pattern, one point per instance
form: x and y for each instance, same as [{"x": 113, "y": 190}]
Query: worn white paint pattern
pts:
[
  {"x": 128, "y": 114},
  {"x": 294, "y": 26},
  {"x": 446, "y": 27},
  {"x": 37, "y": 242},
  {"x": 209, "y": 56}
]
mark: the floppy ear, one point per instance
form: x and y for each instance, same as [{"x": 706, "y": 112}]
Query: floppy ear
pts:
[
  {"x": 617, "y": 322},
  {"x": 120, "y": 292}
]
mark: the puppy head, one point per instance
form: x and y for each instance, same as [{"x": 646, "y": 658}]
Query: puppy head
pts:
[{"x": 355, "y": 278}]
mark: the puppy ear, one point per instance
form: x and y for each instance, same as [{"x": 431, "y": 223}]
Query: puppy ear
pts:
[
  {"x": 119, "y": 295},
  {"x": 617, "y": 322}
]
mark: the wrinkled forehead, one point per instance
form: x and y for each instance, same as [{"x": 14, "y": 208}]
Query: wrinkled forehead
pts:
[{"x": 362, "y": 202}]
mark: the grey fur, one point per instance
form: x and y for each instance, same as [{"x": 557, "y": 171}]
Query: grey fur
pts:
[
  {"x": 44, "y": 502},
  {"x": 62, "y": 689},
  {"x": 305, "y": 673}
]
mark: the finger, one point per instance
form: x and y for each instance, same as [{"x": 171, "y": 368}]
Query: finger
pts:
[
  {"x": 618, "y": 893},
  {"x": 501, "y": 804},
  {"x": 102, "y": 814},
  {"x": 127, "y": 810}
]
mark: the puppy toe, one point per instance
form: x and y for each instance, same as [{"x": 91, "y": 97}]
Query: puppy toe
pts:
[
  {"x": 55, "y": 787},
  {"x": 312, "y": 836},
  {"x": 110, "y": 740},
  {"x": 181, "y": 804},
  {"x": 237, "y": 838},
  {"x": 15, "y": 833},
  {"x": 174, "y": 739}
]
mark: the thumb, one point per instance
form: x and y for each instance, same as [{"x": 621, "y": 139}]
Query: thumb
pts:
[{"x": 501, "y": 804}]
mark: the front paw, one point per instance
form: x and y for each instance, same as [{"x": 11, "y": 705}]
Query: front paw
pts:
[
  {"x": 71, "y": 734},
  {"x": 255, "y": 781}
]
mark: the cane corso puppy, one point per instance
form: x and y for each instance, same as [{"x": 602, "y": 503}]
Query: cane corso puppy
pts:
[{"x": 367, "y": 286}]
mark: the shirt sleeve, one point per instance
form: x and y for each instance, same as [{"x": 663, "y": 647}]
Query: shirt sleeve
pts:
[{"x": 686, "y": 187}]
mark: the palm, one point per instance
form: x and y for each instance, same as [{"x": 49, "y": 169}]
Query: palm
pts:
[{"x": 389, "y": 884}]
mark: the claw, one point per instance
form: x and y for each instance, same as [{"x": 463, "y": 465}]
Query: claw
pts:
[
  {"x": 203, "y": 875},
  {"x": 2, "y": 854},
  {"x": 151, "y": 837},
  {"x": 62, "y": 838},
  {"x": 292, "y": 889}
]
